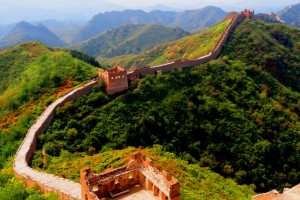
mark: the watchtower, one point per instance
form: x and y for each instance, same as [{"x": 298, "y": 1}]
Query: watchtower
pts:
[
  {"x": 248, "y": 14},
  {"x": 115, "y": 79}
]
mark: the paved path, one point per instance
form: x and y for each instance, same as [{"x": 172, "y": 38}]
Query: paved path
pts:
[{"x": 47, "y": 182}]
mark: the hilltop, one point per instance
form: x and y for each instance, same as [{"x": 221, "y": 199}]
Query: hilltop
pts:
[
  {"x": 200, "y": 18},
  {"x": 188, "y": 47},
  {"x": 129, "y": 39},
  {"x": 23, "y": 32}
]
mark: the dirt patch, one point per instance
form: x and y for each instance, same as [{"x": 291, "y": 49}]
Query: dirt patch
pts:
[{"x": 67, "y": 86}]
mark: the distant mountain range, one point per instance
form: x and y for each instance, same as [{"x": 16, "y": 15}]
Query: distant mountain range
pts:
[
  {"x": 188, "y": 20},
  {"x": 24, "y": 31},
  {"x": 291, "y": 15},
  {"x": 129, "y": 39}
]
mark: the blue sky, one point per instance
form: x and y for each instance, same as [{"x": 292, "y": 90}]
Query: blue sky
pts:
[{"x": 16, "y": 10}]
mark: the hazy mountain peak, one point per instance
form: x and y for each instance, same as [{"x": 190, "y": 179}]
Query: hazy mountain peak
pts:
[
  {"x": 24, "y": 31},
  {"x": 188, "y": 20}
]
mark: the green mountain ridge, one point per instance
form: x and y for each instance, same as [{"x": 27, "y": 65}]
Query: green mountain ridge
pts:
[
  {"x": 23, "y": 32},
  {"x": 188, "y": 47},
  {"x": 274, "y": 47},
  {"x": 200, "y": 18},
  {"x": 128, "y": 39}
]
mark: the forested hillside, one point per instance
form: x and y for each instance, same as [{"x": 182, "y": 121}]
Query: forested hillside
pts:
[
  {"x": 274, "y": 47},
  {"x": 129, "y": 39},
  {"x": 32, "y": 75},
  {"x": 231, "y": 117}
]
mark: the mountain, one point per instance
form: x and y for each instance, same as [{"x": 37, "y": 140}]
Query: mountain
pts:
[
  {"x": 129, "y": 39},
  {"x": 188, "y": 47},
  {"x": 291, "y": 15},
  {"x": 24, "y": 31},
  {"x": 188, "y": 20}
]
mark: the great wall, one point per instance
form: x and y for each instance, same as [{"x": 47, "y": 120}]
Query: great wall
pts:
[{"x": 116, "y": 80}]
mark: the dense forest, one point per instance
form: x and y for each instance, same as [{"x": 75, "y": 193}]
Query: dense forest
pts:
[
  {"x": 239, "y": 127},
  {"x": 274, "y": 47}
]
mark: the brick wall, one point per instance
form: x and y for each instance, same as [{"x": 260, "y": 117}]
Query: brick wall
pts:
[
  {"x": 32, "y": 178},
  {"x": 193, "y": 62}
]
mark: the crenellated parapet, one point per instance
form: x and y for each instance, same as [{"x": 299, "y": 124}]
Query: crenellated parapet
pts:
[{"x": 115, "y": 79}]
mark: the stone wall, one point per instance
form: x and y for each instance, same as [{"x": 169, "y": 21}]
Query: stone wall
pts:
[
  {"x": 140, "y": 72},
  {"x": 32, "y": 178}
]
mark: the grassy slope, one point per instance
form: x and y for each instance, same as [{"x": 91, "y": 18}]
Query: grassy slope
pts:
[
  {"x": 193, "y": 46},
  {"x": 30, "y": 70},
  {"x": 274, "y": 47},
  {"x": 31, "y": 76},
  {"x": 129, "y": 39},
  {"x": 196, "y": 182}
]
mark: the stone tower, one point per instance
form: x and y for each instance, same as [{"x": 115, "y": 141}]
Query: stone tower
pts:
[
  {"x": 115, "y": 79},
  {"x": 248, "y": 14}
]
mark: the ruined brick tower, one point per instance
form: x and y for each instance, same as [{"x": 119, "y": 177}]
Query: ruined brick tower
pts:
[
  {"x": 119, "y": 181},
  {"x": 115, "y": 79}
]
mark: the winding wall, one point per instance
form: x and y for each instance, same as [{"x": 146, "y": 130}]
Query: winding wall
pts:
[
  {"x": 47, "y": 182},
  {"x": 69, "y": 189},
  {"x": 190, "y": 63}
]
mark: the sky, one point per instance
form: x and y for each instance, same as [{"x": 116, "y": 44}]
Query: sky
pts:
[{"x": 17, "y": 10}]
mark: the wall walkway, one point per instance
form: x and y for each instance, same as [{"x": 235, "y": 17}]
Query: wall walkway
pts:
[
  {"x": 193, "y": 62},
  {"x": 69, "y": 189},
  {"x": 47, "y": 182}
]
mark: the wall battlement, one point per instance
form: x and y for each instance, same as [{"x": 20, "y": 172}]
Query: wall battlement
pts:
[
  {"x": 115, "y": 79},
  {"x": 138, "y": 171},
  {"x": 114, "y": 85}
]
